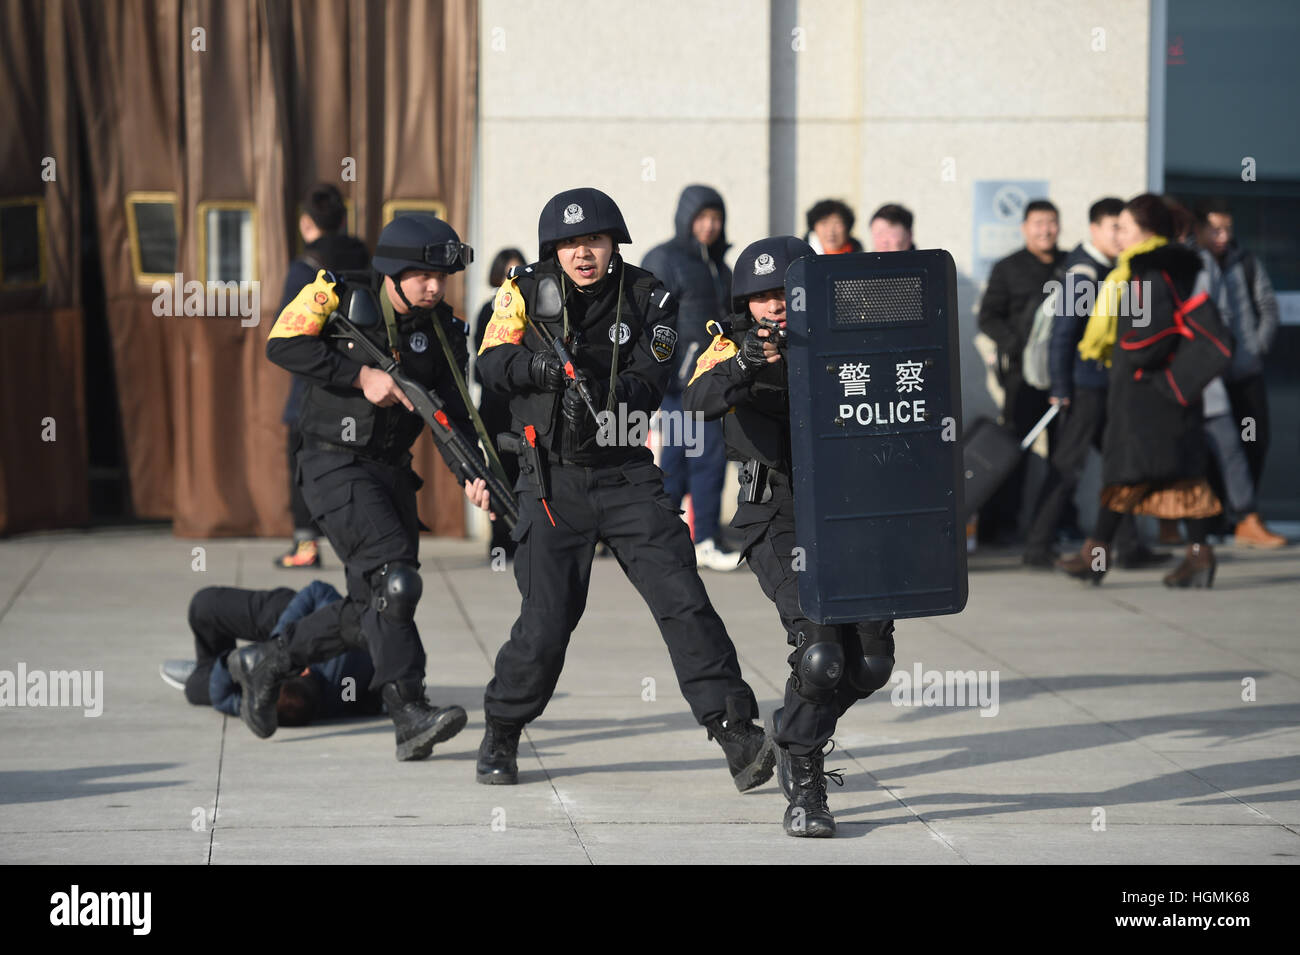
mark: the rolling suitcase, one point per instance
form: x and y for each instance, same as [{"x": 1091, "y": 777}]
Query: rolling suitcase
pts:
[{"x": 989, "y": 454}]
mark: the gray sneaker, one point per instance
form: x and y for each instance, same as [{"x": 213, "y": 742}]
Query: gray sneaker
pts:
[{"x": 176, "y": 672}]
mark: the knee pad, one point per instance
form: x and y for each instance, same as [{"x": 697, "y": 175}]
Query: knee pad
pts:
[
  {"x": 818, "y": 667},
  {"x": 395, "y": 589},
  {"x": 870, "y": 655}
]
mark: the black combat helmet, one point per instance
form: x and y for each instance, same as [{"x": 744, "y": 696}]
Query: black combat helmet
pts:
[
  {"x": 419, "y": 240},
  {"x": 761, "y": 267},
  {"x": 575, "y": 212}
]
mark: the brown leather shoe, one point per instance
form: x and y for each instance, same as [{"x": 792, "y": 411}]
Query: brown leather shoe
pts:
[
  {"x": 1251, "y": 532},
  {"x": 1196, "y": 570},
  {"x": 1091, "y": 563}
]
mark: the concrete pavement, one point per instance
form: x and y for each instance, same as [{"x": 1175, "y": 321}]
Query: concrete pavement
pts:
[{"x": 1121, "y": 733}]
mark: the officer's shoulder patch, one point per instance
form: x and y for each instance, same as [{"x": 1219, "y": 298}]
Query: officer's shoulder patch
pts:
[
  {"x": 721, "y": 349},
  {"x": 663, "y": 340},
  {"x": 459, "y": 324}
]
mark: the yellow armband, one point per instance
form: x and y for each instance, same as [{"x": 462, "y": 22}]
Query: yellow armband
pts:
[
  {"x": 307, "y": 313},
  {"x": 508, "y": 318},
  {"x": 719, "y": 351}
]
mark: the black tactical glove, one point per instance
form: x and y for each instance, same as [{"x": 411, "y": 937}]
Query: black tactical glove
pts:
[
  {"x": 750, "y": 357},
  {"x": 576, "y": 412},
  {"x": 545, "y": 372}
]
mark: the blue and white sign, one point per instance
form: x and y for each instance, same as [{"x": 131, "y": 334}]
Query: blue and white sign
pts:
[{"x": 999, "y": 209}]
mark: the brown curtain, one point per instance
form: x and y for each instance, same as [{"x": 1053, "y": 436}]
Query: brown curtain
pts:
[
  {"x": 126, "y": 55},
  {"x": 427, "y": 127},
  {"x": 301, "y": 87},
  {"x": 43, "y": 483},
  {"x": 283, "y": 92}
]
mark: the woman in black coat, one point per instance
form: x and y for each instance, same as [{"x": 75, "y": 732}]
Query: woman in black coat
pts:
[{"x": 1154, "y": 455}]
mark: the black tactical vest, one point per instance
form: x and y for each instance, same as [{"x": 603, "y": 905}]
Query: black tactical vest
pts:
[
  {"x": 345, "y": 419},
  {"x": 590, "y": 344},
  {"x": 760, "y": 427}
]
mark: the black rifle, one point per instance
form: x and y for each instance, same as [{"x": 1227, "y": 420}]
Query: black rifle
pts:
[
  {"x": 453, "y": 445},
  {"x": 576, "y": 378}
]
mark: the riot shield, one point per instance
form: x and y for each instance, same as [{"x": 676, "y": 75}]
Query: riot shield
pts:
[{"x": 875, "y": 416}]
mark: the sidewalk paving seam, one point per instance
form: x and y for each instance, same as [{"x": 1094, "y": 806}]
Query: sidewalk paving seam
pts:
[
  {"x": 902, "y": 802},
  {"x": 216, "y": 801},
  {"x": 27, "y": 579},
  {"x": 455, "y": 596},
  {"x": 1107, "y": 723}
]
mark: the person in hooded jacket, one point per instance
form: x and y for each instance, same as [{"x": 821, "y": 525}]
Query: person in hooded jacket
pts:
[
  {"x": 690, "y": 265},
  {"x": 591, "y": 478},
  {"x": 356, "y": 477},
  {"x": 743, "y": 379}
]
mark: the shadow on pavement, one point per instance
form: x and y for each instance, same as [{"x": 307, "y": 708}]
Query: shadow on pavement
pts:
[
  {"x": 1176, "y": 785},
  {"x": 52, "y": 785}
]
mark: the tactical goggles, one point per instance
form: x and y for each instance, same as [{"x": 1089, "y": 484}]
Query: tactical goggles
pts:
[{"x": 440, "y": 255}]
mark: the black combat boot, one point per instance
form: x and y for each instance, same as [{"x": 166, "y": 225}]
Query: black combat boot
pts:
[
  {"x": 497, "y": 765},
  {"x": 750, "y": 753},
  {"x": 259, "y": 670},
  {"x": 808, "y": 816},
  {"x": 419, "y": 724},
  {"x": 782, "y": 755}
]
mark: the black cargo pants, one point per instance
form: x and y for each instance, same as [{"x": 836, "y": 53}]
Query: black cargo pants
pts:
[
  {"x": 367, "y": 510},
  {"x": 218, "y": 617},
  {"x": 770, "y": 547},
  {"x": 626, "y": 507}
]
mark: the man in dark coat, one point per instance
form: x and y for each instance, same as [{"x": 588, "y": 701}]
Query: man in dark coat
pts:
[
  {"x": 690, "y": 266},
  {"x": 1014, "y": 291}
]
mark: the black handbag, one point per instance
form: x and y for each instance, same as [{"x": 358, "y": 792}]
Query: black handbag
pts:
[{"x": 1182, "y": 359}]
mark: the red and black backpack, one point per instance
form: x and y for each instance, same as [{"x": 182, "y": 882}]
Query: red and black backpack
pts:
[{"x": 1182, "y": 359}]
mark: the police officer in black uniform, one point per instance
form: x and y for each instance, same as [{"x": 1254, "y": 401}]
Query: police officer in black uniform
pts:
[
  {"x": 742, "y": 378},
  {"x": 356, "y": 477},
  {"x": 587, "y": 484}
]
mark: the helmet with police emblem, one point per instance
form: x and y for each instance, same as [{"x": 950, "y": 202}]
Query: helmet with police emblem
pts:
[
  {"x": 576, "y": 212},
  {"x": 761, "y": 267},
  {"x": 422, "y": 241}
]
